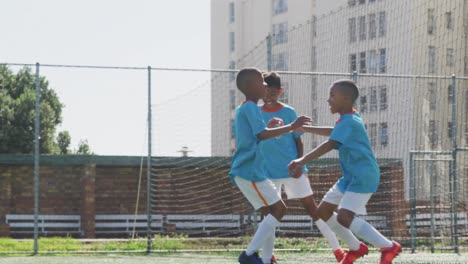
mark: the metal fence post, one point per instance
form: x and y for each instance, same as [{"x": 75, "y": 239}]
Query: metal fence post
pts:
[
  {"x": 453, "y": 170},
  {"x": 37, "y": 138},
  {"x": 412, "y": 186},
  {"x": 148, "y": 173}
]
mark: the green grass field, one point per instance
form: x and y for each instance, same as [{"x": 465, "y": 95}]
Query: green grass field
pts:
[{"x": 185, "y": 258}]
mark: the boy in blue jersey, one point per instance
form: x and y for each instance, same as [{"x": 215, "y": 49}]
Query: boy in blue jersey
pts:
[
  {"x": 248, "y": 166},
  {"x": 279, "y": 152},
  {"x": 360, "y": 177}
]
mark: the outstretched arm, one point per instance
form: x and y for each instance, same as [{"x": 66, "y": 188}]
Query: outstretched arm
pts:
[
  {"x": 319, "y": 130},
  {"x": 295, "y": 167},
  {"x": 278, "y": 131}
]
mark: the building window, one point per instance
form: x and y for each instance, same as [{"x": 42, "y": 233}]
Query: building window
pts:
[
  {"x": 372, "y": 61},
  {"x": 280, "y": 33},
  {"x": 382, "y": 24},
  {"x": 352, "y": 63},
  {"x": 373, "y": 99},
  {"x": 383, "y": 61},
  {"x": 351, "y": 2},
  {"x": 373, "y": 134},
  {"x": 448, "y": 20},
  {"x": 284, "y": 97},
  {"x": 449, "y": 130},
  {"x": 363, "y": 100},
  {"x": 233, "y": 129},
  {"x": 232, "y": 99},
  {"x": 430, "y": 21},
  {"x": 433, "y": 135},
  {"x": 280, "y": 6},
  {"x": 352, "y": 29},
  {"x": 383, "y": 98},
  {"x": 432, "y": 59},
  {"x": 432, "y": 96},
  {"x": 232, "y": 42},
  {"x": 362, "y": 2},
  {"x": 450, "y": 57},
  {"x": 232, "y": 75},
  {"x": 362, "y": 28},
  {"x": 449, "y": 93},
  {"x": 362, "y": 62},
  {"x": 383, "y": 134},
  {"x": 231, "y": 12},
  {"x": 280, "y": 61},
  {"x": 372, "y": 26}
]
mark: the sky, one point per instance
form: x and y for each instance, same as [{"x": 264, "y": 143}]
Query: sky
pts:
[{"x": 108, "y": 108}]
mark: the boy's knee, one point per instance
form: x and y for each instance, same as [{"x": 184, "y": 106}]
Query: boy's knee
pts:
[
  {"x": 278, "y": 210},
  {"x": 345, "y": 218}
]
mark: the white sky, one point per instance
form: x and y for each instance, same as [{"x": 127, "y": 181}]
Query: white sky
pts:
[{"x": 108, "y": 107}]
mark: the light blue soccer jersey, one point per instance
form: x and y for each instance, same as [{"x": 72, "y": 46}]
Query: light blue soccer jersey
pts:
[
  {"x": 361, "y": 172},
  {"x": 278, "y": 152},
  {"x": 247, "y": 161}
]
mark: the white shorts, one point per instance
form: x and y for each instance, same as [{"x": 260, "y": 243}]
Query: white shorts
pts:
[
  {"x": 355, "y": 202},
  {"x": 259, "y": 194},
  {"x": 295, "y": 188}
]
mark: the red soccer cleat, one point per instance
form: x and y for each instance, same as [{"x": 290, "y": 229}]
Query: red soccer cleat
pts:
[
  {"x": 273, "y": 259},
  {"x": 351, "y": 255},
  {"x": 388, "y": 254},
  {"x": 339, "y": 254}
]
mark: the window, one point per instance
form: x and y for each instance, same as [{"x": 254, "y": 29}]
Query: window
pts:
[
  {"x": 449, "y": 93},
  {"x": 232, "y": 42},
  {"x": 449, "y": 130},
  {"x": 433, "y": 135},
  {"x": 373, "y": 99},
  {"x": 373, "y": 134},
  {"x": 450, "y": 57},
  {"x": 372, "y": 61},
  {"x": 232, "y": 99},
  {"x": 280, "y": 61},
  {"x": 362, "y": 28},
  {"x": 284, "y": 97},
  {"x": 382, "y": 24},
  {"x": 362, "y": 62},
  {"x": 352, "y": 29},
  {"x": 383, "y": 61},
  {"x": 231, "y": 12},
  {"x": 383, "y": 134},
  {"x": 448, "y": 20},
  {"x": 430, "y": 21},
  {"x": 351, "y": 2},
  {"x": 372, "y": 26},
  {"x": 363, "y": 100},
  {"x": 232, "y": 75},
  {"x": 361, "y": 2},
  {"x": 383, "y": 98},
  {"x": 280, "y": 33},
  {"x": 280, "y": 6},
  {"x": 233, "y": 129},
  {"x": 432, "y": 59},
  {"x": 352, "y": 63},
  {"x": 432, "y": 96}
]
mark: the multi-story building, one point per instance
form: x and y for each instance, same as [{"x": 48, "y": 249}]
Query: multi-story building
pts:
[{"x": 399, "y": 52}]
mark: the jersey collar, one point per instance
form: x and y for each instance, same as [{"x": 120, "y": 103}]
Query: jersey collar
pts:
[{"x": 352, "y": 112}]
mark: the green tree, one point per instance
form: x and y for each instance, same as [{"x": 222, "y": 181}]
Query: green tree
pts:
[
  {"x": 17, "y": 112},
  {"x": 63, "y": 141},
  {"x": 83, "y": 148}
]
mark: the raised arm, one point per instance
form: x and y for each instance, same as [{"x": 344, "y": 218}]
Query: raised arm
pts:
[
  {"x": 295, "y": 167},
  {"x": 278, "y": 131},
  {"x": 318, "y": 130}
]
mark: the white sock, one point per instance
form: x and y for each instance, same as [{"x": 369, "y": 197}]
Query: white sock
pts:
[
  {"x": 265, "y": 230},
  {"x": 367, "y": 232},
  {"x": 328, "y": 234},
  {"x": 267, "y": 249},
  {"x": 344, "y": 233}
]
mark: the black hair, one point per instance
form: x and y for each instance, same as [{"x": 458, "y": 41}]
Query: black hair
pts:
[
  {"x": 348, "y": 87},
  {"x": 244, "y": 77},
  {"x": 272, "y": 79}
]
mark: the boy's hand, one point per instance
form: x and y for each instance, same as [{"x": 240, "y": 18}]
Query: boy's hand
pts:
[
  {"x": 295, "y": 168},
  {"x": 300, "y": 121},
  {"x": 275, "y": 122}
]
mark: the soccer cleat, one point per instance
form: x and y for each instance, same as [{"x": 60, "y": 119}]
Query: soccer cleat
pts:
[
  {"x": 388, "y": 254},
  {"x": 273, "y": 259},
  {"x": 252, "y": 259},
  {"x": 351, "y": 255},
  {"x": 339, "y": 254}
]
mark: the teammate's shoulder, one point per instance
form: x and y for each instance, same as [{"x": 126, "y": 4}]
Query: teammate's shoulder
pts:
[{"x": 288, "y": 107}]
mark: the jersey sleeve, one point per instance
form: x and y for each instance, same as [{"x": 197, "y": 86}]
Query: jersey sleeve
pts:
[
  {"x": 254, "y": 118},
  {"x": 293, "y": 117},
  {"x": 342, "y": 133}
]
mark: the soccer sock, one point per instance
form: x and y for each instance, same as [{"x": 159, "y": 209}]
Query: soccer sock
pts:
[
  {"x": 344, "y": 233},
  {"x": 367, "y": 232},
  {"x": 267, "y": 249},
  {"x": 328, "y": 234},
  {"x": 265, "y": 230}
]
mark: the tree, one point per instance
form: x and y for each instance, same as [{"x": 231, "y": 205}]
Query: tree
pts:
[
  {"x": 64, "y": 140},
  {"x": 83, "y": 148},
  {"x": 17, "y": 112}
]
